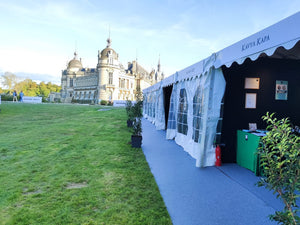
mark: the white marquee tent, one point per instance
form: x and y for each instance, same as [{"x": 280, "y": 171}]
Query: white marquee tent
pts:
[{"x": 197, "y": 90}]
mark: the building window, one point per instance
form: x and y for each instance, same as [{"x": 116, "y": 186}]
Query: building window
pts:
[
  {"x": 90, "y": 94},
  {"x": 182, "y": 126},
  {"x": 79, "y": 94},
  {"x": 198, "y": 103},
  {"x": 110, "y": 78},
  {"x": 131, "y": 85},
  {"x": 71, "y": 82},
  {"x": 119, "y": 82},
  {"x": 127, "y": 84},
  {"x": 123, "y": 83},
  {"x": 109, "y": 57},
  {"x": 84, "y": 95}
]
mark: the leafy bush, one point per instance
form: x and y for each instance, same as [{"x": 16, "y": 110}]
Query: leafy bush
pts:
[
  {"x": 136, "y": 113},
  {"x": 44, "y": 99},
  {"x": 280, "y": 160},
  {"x": 82, "y": 101},
  {"x": 128, "y": 106},
  {"x": 103, "y": 102},
  {"x": 6, "y": 97},
  {"x": 129, "y": 111},
  {"x": 137, "y": 127}
]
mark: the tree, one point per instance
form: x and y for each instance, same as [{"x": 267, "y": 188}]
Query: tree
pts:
[
  {"x": 138, "y": 94},
  {"x": 29, "y": 87},
  {"x": 280, "y": 160},
  {"x": 9, "y": 80},
  {"x": 53, "y": 87},
  {"x": 44, "y": 90}
]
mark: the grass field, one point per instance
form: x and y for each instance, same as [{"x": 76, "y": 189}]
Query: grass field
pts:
[{"x": 72, "y": 164}]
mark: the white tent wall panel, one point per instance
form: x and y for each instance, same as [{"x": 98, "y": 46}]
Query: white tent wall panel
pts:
[
  {"x": 171, "y": 129},
  {"x": 151, "y": 106},
  {"x": 160, "y": 110},
  {"x": 186, "y": 141},
  {"x": 215, "y": 94},
  {"x": 213, "y": 84}
]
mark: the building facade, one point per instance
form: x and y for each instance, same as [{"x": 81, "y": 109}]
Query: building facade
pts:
[{"x": 109, "y": 81}]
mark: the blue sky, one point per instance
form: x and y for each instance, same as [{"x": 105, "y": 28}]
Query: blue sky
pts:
[{"x": 38, "y": 37}]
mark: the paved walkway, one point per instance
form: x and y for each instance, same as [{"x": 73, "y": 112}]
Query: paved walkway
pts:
[{"x": 224, "y": 195}]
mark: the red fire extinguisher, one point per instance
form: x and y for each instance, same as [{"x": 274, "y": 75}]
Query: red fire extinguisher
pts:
[{"x": 218, "y": 156}]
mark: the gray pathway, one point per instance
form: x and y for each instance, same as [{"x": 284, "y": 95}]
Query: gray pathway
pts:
[{"x": 224, "y": 195}]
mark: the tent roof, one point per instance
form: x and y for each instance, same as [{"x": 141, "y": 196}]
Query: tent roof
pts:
[
  {"x": 281, "y": 40},
  {"x": 285, "y": 33}
]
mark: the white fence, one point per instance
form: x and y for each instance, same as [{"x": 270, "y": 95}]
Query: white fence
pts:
[
  {"x": 121, "y": 103},
  {"x": 28, "y": 99}
]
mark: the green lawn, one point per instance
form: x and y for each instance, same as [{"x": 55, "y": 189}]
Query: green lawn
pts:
[{"x": 72, "y": 164}]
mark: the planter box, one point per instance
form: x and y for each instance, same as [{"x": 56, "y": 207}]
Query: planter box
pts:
[{"x": 136, "y": 141}]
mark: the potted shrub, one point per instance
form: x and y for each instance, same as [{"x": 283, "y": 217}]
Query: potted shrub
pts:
[
  {"x": 129, "y": 111},
  {"x": 136, "y": 137}
]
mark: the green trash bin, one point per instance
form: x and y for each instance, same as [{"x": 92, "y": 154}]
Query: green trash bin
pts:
[{"x": 246, "y": 154}]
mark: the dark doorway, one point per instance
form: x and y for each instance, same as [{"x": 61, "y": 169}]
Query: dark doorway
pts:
[{"x": 167, "y": 100}]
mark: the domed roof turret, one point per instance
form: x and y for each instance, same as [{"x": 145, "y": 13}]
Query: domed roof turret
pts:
[
  {"x": 74, "y": 63},
  {"x": 105, "y": 53}
]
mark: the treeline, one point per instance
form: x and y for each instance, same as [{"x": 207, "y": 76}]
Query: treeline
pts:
[{"x": 29, "y": 87}]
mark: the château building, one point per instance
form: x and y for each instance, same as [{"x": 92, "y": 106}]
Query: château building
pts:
[{"x": 109, "y": 81}]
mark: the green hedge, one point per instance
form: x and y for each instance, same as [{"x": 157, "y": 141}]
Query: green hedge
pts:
[
  {"x": 6, "y": 97},
  {"x": 83, "y": 101}
]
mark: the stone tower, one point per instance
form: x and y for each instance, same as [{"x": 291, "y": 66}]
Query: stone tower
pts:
[{"x": 108, "y": 67}]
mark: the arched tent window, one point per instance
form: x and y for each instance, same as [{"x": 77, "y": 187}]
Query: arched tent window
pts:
[
  {"x": 153, "y": 104},
  {"x": 198, "y": 103},
  {"x": 182, "y": 126},
  {"x": 171, "y": 118},
  {"x": 148, "y": 103}
]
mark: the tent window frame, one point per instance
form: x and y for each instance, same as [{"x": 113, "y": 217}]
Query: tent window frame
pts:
[
  {"x": 198, "y": 113},
  {"x": 182, "y": 113}
]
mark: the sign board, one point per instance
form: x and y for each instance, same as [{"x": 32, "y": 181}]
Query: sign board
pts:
[
  {"x": 281, "y": 92},
  {"x": 250, "y": 101},
  {"x": 251, "y": 83}
]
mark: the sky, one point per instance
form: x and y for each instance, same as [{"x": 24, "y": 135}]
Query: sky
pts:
[{"x": 38, "y": 37}]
